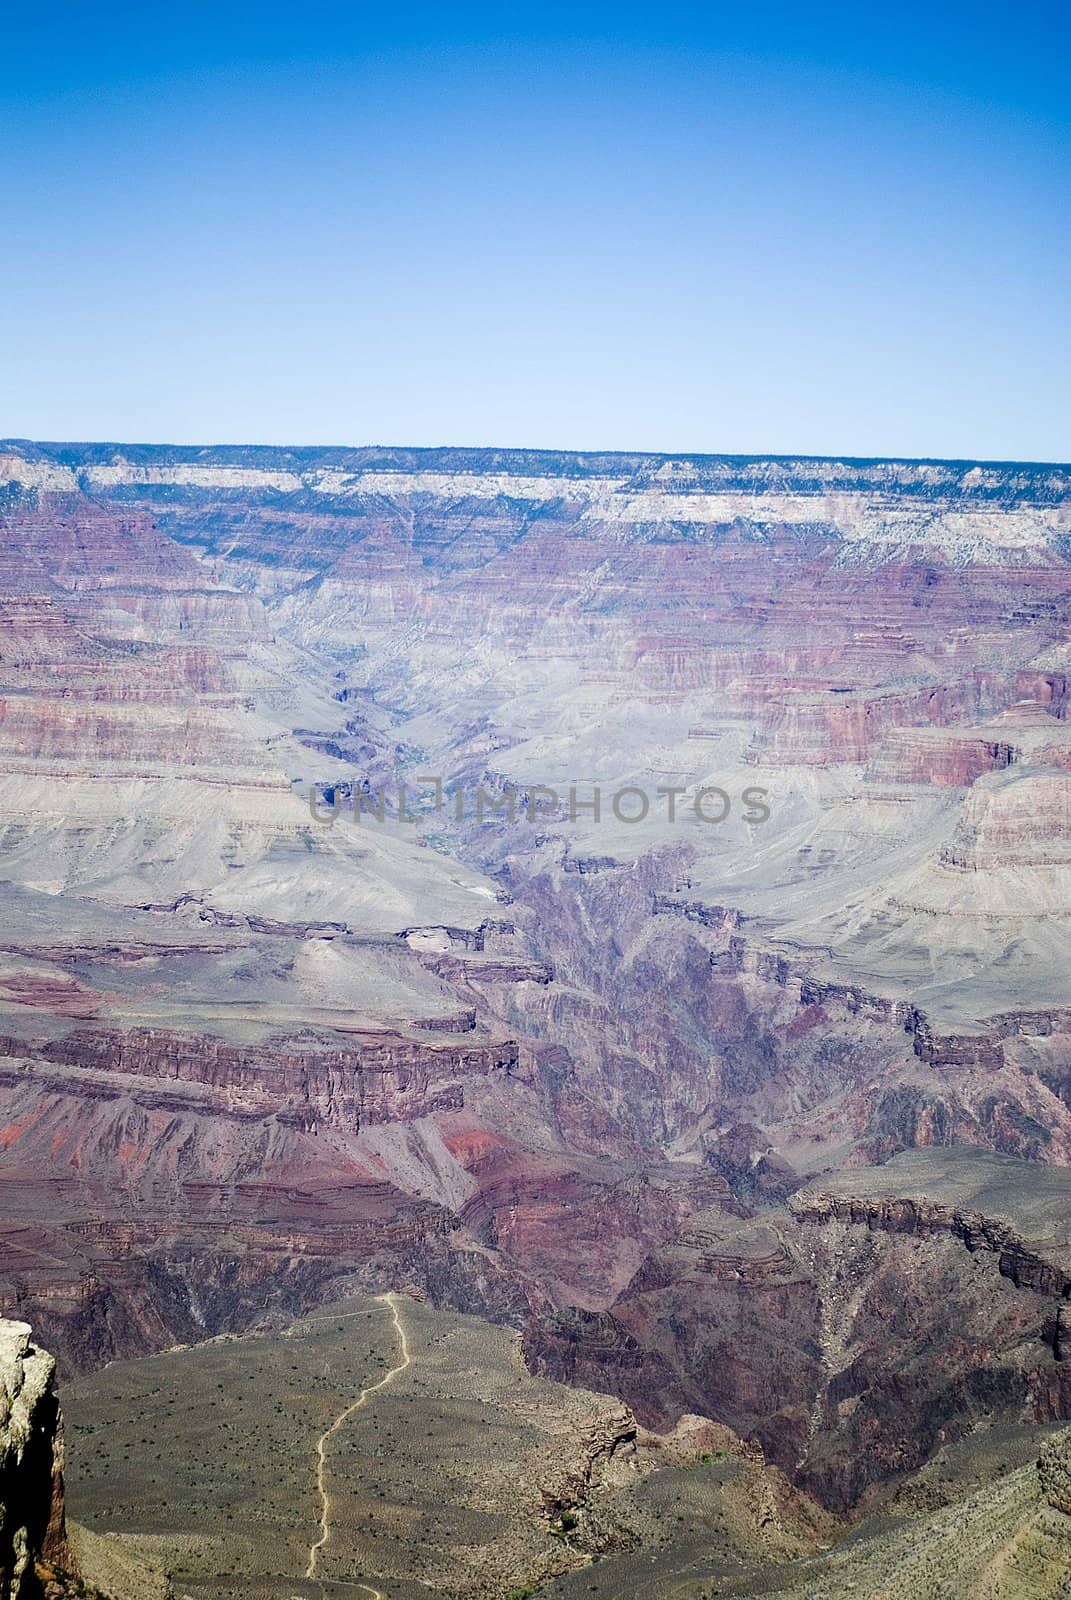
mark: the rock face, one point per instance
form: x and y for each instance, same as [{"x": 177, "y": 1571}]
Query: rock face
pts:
[
  {"x": 848, "y": 1376},
  {"x": 1054, "y": 1473},
  {"x": 296, "y": 996},
  {"x": 32, "y": 1527}
]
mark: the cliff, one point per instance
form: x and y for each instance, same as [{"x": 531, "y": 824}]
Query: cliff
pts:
[{"x": 32, "y": 1529}]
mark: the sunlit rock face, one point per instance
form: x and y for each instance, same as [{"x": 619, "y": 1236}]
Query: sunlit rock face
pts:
[
  {"x": 561, "y": 1066},
  {"x": 32, "y": 1530}
]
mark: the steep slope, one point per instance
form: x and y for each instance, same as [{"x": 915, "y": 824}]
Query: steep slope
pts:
[{"x": 1005, "y": 1537}]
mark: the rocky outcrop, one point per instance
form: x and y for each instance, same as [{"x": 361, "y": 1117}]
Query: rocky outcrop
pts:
[
  {"x": 895, "y": 731},
  {"x": 1054, "y": 1472},
  {"x": 948, "y": 761},
  {"x": 1018, "y": 1260},
  {"x": 386, "y": 1079},
  {"x": 32, "y": 1529},
  {"x": 738, "y": 952}
]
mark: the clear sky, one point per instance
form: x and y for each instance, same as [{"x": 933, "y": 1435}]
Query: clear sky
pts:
[{"x": 756, "y": 227}]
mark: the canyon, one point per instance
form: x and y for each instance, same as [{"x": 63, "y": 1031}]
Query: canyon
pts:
[{"x": 765, "y": 1121}]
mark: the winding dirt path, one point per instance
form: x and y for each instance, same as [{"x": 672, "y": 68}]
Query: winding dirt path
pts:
[{"x": 390, "y": 1300}]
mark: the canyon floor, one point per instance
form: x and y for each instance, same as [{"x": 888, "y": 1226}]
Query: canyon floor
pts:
[{"x": 622, "y": 899}]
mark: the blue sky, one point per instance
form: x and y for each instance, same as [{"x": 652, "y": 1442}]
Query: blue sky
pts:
[{"x": 823, "y": 229}]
